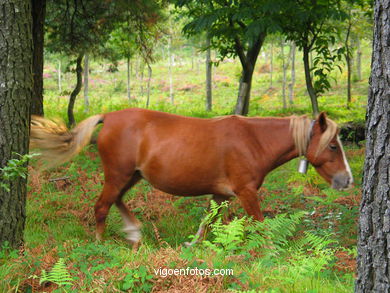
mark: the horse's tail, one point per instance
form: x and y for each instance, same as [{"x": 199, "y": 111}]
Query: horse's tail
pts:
[{"x": 56, "y": 143}]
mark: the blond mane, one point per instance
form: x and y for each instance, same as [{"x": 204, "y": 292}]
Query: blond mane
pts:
[{"x": 300, "y": 128}]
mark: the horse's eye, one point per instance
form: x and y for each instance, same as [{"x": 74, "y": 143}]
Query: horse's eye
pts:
[{"x": 333, "y": 147}]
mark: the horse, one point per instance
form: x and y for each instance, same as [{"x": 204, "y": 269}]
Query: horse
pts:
[{"x": 225, "y": 156}]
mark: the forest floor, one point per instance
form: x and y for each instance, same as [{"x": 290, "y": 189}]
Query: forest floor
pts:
[{"x": 306, "y": 244}]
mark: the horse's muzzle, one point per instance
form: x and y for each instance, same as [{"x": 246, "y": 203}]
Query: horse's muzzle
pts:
[{"x": 342, "y": 181}]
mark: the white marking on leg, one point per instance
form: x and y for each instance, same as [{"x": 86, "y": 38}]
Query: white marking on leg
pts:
[
  {"x": 348, "y": 169},
  {"x": 132, "y": 231}
]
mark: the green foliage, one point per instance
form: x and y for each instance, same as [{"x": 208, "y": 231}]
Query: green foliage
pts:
[
  {"x": 58, "y": 274},
  {"x": 226, "y": 238},
  {"x": 137, "y": 280},
  {"x": 273, "y": 232},
  {"x": 15, "y": 168}
]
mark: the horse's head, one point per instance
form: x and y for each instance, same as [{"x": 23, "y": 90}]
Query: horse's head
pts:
[{"x": 325, "y": 152}]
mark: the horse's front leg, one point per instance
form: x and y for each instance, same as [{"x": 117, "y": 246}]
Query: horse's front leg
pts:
[{"x": 250, "y": 202}]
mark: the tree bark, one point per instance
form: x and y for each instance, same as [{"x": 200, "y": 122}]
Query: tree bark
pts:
[
  {"x": 76, "y": 90},
  {"x": 292, "y": 83},
  {"x": 128, "y": 78},
  {"x": 16, "y": 89},
  {"x": 248, "y": 63},
  {"x": 38, "y": 17},
  {"x": 373, "y": 262},
  {"x": 209, "y": 99},
  {"x": 309, "y": 82},
  {"x": 86, "y": 88}
]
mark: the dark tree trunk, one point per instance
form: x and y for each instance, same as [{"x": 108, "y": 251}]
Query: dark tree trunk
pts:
[
  {"x": 309, "y": 81},
  {"x": 38, "y": 17},
  {"x": 86, "y": 83},
  {"x": 373, "y": 262},
  {"x": 16, "y": 88},
  {"x": 348, "y": 59},
  {"x": 244, "y": 91},
  {"x": 248, "y": 63},
  {"x": 209, "y": 99},
  {"x": 76, "y": 90}
]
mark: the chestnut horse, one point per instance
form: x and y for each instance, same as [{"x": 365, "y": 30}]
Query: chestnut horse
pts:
[{"x": 226, "y": 156}]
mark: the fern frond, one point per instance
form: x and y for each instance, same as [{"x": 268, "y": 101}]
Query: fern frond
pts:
[{"x": 59, "y": 274}]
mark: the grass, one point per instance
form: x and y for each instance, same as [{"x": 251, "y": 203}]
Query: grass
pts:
[{"x": 60, "y": 221}]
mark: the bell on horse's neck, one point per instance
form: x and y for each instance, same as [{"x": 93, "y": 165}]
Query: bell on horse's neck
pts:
[{"x": 302, "y": 168}]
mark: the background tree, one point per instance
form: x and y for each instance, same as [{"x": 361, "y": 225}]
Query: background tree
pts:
[
  {"x": 16, "y": 87},
  {"x": 76, "y": 28},
  {"x": 38, "y": 17},
  {"x": 312, "y": 26},
  {"x": 209, "y": 66},
  {"x": 235, "y": 29},
  {"x": 374, "y": 222},
  {"x": 136, "y": 32}
]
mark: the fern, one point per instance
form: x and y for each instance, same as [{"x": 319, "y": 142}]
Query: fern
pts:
[
  {"x": 227, "y": 238},
  {"x": 273, "y": 232},
  {"x": 59, "y": 274}
]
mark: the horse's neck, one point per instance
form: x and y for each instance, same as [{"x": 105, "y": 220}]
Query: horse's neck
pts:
[{"x": 277, "y": 141}]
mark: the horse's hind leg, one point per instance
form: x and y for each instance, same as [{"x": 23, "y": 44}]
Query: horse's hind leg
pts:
[
  {"x": 131, "y": 224},
  {"x": 114, "y": 187}
]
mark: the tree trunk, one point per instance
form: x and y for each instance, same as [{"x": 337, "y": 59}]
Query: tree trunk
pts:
[
  {"x": 170, "y": 69},
  {"x": 16, "y": 89},
  {"x": 141, "y": 75},
  {"x": 148, "y": 89},
  {"x": 248, "y": 63},
  {"x": 348, "y": 57},
  {"x": 192, "y": 57},
  {"x": 76, "y": 91},
  {"x": 244, "y": 92},
  {"x": 309, "y": 82},
  {"x": 209, "y": 100},
  {"x": 38, "y": 17},
  {"x": 359, "y": 60},
  {"x": 59, "y": 77},
  {"x": 292, "y": 83},
  {"x": 271, "y": 67},
  {"x": 86, "y": 88},
  {"x": 373, "y": 260},
  {"x": 128, "y": 78},
  {"x": 284, "y": 65}
]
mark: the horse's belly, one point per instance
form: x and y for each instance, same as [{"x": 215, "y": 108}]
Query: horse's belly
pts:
[
  {"x": 181, "y": 180},
  {"x": 184, "y": 185}
]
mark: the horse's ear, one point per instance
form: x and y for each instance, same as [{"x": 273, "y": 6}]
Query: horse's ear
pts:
[{"x": 322, "y": 121}]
